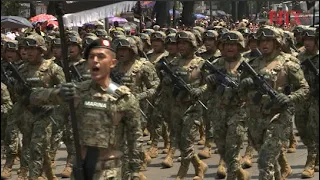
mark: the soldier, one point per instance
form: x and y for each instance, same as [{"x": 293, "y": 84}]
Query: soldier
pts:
[
  {"x": 87, "y": 40},
  {"x": 106, "y": 112},
  {"x": 36, "y": 123},
  {"x": 22, "y": 50},
  {"x": 146, "y": 42},
  {"x": 210, "y": 39},
  {"x": 56, "y": 51},
  {"x": 101, "y": 33},
  {"x": 171, "y": 31},
  {"x": 148, "y": 31},
  {"x": 297, "y": 34},
  {"x": 303, "y": 116},
  {"x": 269, "y": 125},
  {"x": 157, "y": 44},
  {"x": 289, "y": 45},
  {"x": 227, "y": 111},
  {"x": 10, "y": 128},
  {"x": 186, "y": 112},
  {"x": 48, "y": 54},
  {"x": 138, "y": 75}
]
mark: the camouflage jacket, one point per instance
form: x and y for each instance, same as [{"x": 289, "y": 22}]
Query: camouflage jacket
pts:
[
  {"x": 105, "y": 117},
  {"x": 207, "y": 55},
  {"x": 155, "y": 57},
  {"x": 82, "y": 67},
  {"x": 6, "y": 103}
]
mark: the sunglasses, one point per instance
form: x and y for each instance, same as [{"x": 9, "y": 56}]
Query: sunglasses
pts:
[
  {"x": 121, "y": 43},
  {"x": 209, "y": 35},
  {"x": 308, "y": 33},
  {"x": 171, "y": 40},
  {"x": 143, "y": 36},
  {"x": 11, "y": 45},
  {"x": 230, "y": 37},
  {"x": 56, "y": 41},
  {"x": 156, "y": 36},
  {"x": 182, "y": 35},
  {"x": 30, "y": 42},
  {"x": 72, "y": 39},
  {"x": 266, "y": 33}
]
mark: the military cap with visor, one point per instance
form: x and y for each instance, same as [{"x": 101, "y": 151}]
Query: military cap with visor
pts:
[{"x": 99, "y": 43}]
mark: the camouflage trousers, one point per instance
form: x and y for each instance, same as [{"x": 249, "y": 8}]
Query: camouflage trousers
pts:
[
  {"x": 208, "y": 125},
  {"x": 112, "y": 173},
  {"x": 228, "y": 133},
  {"x": 185, "y": 125},
  {"x": 313, "y": 120},
  {"x": 57, "y": 131},
  {"x": 11, "y": 132},
  {"x": 305, "y": 121},
  {"x": 161, "y": 123},
  {"x": 268, "y": 133},
  {"x": 36, "y": 131}
]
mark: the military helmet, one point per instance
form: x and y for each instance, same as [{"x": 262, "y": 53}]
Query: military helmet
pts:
[
  {"x": 244, "y": 31},
  {"x": 156, "y": 27},
  {"x": 309, "y": 32},
  {"x": 158, "y": 35},
  {"x": 72, "y": 33},
  {"x": 107, "y": 38},
  {"x": 98, "y": 43},
  {"x": 148, "y": 31},
  {"x": 48, "y": 39},
  {"x": 89, "y": 34},
  {"x": 170, "y": 31},
  {"x": 200, "y": 29},
  {"x": 11, "y": 44},
  {"x": 21, "y": 42},
  {"x": 234, "y": 36},
  {"x": 171, "y": 38},
  {"x": 100, "y": 32},
  {"x": 145, "y": 37},
  {"x": 138, "y": 42},
  {"x": 117, "y": 33},
  {"x": 187, "y": 35},
  {"x": 210, "y": 34},
  {"x": 127, "y": 42},
  {"x": 88, "y": 40},
  {"x": 35, "y": 40},
  {"x": 198, "y": 36},
  {"x": 270, "y": 32},
  {"x": 74, "y": 40},
  {"x": 298, "y": 29},
  {"x": 56, "y": 42}
]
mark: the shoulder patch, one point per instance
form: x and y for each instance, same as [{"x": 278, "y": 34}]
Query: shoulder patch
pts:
[{"x": 122, "y": 91}]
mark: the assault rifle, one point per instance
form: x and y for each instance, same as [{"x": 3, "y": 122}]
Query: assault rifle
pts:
[
  {"x": 6, "y": 80},
  {"x": 309, "y": 64},
  {"x": 221, "y": 77},
  {"x": 178, "y": 82},
  {"x": 262, "y": 84},
  {"x": 74, "y": 71}
]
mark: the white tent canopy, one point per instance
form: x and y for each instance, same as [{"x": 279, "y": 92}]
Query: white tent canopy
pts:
[{"x": 83, "y": 17}]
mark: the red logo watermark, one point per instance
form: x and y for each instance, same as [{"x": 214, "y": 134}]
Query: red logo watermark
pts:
[{"x": 284, "y": 17}]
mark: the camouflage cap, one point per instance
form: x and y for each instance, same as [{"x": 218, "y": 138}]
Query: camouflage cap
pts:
[
  {"x": 148, "y": 31},
  {"x": 127, "y": 42},
  {"x": 171, "y": 38},
  {"x": 11, "y": 44},
  {"x": 170, "y": 31},
  {"x": 270, "y": 32},
  {"x": 145, "y": 37},
  {"x": 35, "y": 40},
  {"x": 188, "y": 36},
  {"x": 98, "y": 43},
  {"x": 210, "y": 34},
  {"x": 233, "y": 36},
  {"x": 158, "y": 35}
]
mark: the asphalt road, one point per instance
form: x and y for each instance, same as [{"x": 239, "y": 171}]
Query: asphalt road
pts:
[{"x": 155, "y": 172}]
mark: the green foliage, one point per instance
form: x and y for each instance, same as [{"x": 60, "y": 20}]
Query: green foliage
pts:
[{"x": 10, "y": 8}]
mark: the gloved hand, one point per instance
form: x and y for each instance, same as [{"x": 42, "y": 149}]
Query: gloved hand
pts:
[
  {"x": 282, "y": 99},
  {"x": 196, "y": 92},
  {"x": 67, "y": 91},
  {"x": 246, "y": 83},
  {"x": 211, "y": 79}
]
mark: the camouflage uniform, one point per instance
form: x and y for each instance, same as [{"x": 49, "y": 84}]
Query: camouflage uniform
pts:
[
  {"x": 186, "y": 111},
  {"x": 146, "y": 42},
  {"x": 10, "y": 129},
  {"x": 227, "y": 111},
  {"x": 105, "y": 117},
  {"x": 269, "y": 127},
  {"x": 211, "y": 56},
  {"x": 36, "y": 123},
  {"x": 308, "y": 111},
  {"x": 6, "y": 106},
  {"x": 140, "y": 78}
]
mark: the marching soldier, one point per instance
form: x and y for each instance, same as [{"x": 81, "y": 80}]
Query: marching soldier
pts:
[
  {"x": 269, "y": 121},
  {"x": 106, "y": 113}
]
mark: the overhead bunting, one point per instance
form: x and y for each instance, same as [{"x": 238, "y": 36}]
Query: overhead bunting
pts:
[{"x": 79, "y": 18}]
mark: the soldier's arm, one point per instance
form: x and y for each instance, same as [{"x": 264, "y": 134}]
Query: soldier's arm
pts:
[
  {"x": 297, "y": 80},
  {"x": 150, "y": 79},
  {"x": 58, "y": 74},
  {"x": 130, "y": 107},
  {"x": 6, "y": 103}
]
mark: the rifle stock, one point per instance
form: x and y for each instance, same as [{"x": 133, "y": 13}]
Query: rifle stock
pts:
[{"x": 78, "y": 168}]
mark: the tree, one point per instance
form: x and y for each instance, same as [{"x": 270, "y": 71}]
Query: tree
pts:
[
  {"x": 10, "y": 8},
  {"x": 33, "y": 11}
]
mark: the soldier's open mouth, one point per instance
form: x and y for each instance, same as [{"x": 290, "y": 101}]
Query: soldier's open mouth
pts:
[{"x": 95, "y": 69}]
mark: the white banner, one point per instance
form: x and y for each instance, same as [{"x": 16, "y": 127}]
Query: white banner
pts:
[{"x": 83, "y": 17}]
